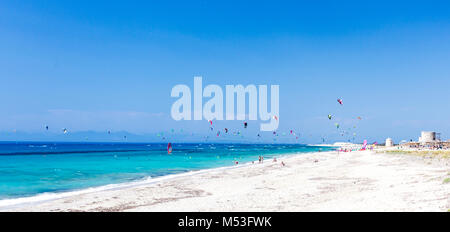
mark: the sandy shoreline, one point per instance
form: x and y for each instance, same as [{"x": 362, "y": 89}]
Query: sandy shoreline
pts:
[{"x": 355, "y": 181}]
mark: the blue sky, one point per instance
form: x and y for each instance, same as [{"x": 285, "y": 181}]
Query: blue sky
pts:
[{"x": 110, "y": 65}]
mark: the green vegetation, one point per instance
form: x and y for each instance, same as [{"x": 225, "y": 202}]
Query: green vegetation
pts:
[
  {"x": 445, "y": 154},
  {"x": 447, "y": 180}
]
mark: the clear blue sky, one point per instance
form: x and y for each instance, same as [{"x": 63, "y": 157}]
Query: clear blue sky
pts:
[{"x": 110, "y": 65}]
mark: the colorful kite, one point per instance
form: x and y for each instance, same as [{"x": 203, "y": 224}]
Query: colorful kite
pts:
[{"x": 169, "y": 148}]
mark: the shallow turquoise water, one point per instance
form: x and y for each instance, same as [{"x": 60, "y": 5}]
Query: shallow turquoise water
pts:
[{"x": 27, "y": 169}]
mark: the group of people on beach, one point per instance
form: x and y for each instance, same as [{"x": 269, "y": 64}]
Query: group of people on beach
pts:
[
  {"x": 261, "y": 159},
  {"x": 437, "y": 146}
]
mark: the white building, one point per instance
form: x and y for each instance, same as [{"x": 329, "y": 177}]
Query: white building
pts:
[
  {"x": 389, "y": 142},
  {"x": 429, "y": 137}
]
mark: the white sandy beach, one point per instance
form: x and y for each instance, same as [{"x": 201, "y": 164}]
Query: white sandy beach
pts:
[{"x": 355, "y": 181}]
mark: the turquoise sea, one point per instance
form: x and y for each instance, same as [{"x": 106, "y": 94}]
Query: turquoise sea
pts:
[{"x": 32, "y": 168}]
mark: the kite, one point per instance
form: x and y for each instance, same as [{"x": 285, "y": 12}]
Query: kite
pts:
[
  {"x": 169, "y": 148},
  {"x": 218, "y": 133},
  {"x": 364, "y": 145},
  {"x": 275, "y": 117},
  {"x": 337, "y": 125},
  {"x": 340, "y": 101},
  {"x": 245, "y": 125},
  {"x": 359, "y": 118},
  {"x": 330, "y": 116},
  {"x": 210, "y": 121},
  {"x": 65, "y": 131},
  {"x": 46, "y": 127},
  {"x": 226, "y": 130}
]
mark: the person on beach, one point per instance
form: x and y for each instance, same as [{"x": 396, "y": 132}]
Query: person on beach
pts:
[
  {"x": 283, "y": 164},
  {"x": 274, "y": 160}
]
